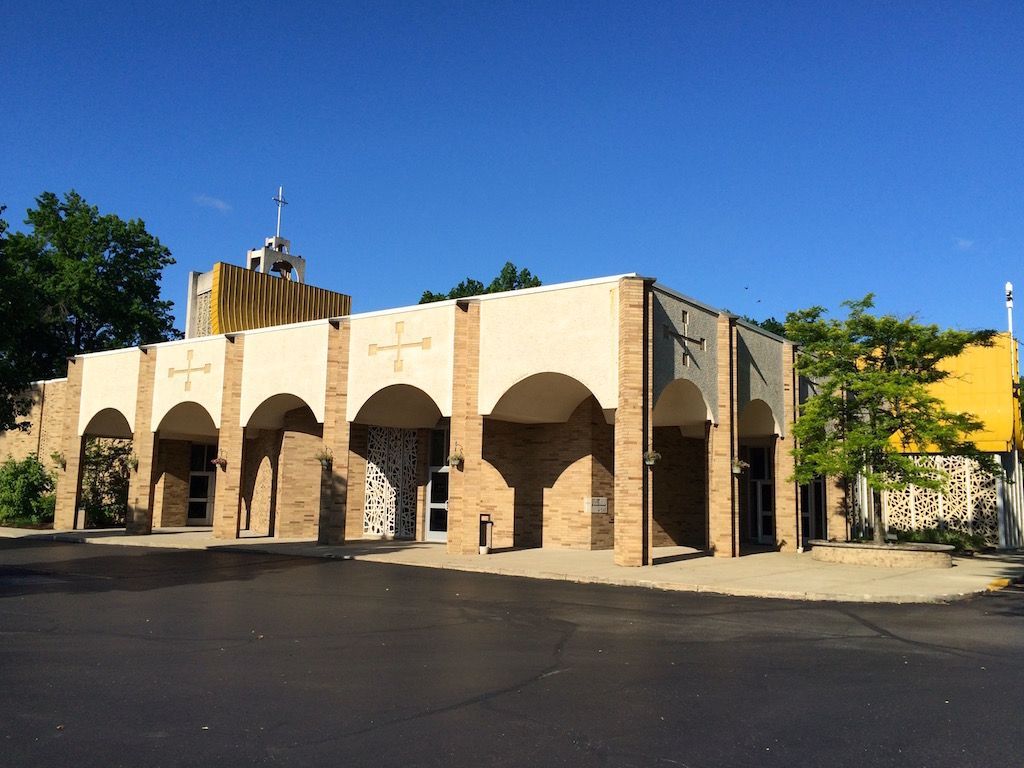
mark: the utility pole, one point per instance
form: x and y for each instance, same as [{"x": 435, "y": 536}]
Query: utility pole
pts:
[{"x": 1015, "y": 498}]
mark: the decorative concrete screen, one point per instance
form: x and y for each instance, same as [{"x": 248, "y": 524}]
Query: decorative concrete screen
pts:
[
  {"x": 390, "y": 507},
  {"x": 969, "y": 505}
]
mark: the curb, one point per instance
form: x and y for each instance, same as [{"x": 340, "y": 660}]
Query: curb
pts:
[{"x": 640, "y": 583}]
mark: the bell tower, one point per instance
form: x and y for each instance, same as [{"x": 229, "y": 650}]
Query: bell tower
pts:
[
  {"x": 276, "y": 257},
  {"x": 269, "y": 290}
]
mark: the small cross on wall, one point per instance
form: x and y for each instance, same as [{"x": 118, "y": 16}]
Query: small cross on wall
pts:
[
  {"x": 398, "y": 346},
  {"x": 188, "y": 370}
]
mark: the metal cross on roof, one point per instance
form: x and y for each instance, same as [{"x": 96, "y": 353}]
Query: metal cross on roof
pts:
[{"x": 281, "y": 203}]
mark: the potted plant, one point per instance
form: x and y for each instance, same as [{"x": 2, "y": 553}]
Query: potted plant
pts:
[
  {"x": 326, "y": 457},
  {"x": 651, "y": 458},
  {"x": 456, "y": 457},
  {"x": 220, "y": 462},
  {"x": 739, "y": 465}
]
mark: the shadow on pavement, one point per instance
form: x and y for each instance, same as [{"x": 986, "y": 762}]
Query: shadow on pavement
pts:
[{"x": 64, "y": 567}]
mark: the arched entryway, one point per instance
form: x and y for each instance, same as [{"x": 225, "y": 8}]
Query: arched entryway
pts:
[
  {"x": 185, "y": 467},
  {"x": 758, "y": 433},
  {"x": 281, "y": 469},
  {"x": 548, "y": 477},
  {"x": 680, "y": 477},
  {"x": 105, "y": 471},
  {"x": 398, "y": 467}
]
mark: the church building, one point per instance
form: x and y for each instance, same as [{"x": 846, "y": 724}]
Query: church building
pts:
[
  {"x": 612, "y": 413},
  {"x": 606, "y": 414}
]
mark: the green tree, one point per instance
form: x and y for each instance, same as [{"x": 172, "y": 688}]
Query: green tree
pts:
[
  {"x": 770, "y": 324},
  {"x": 511, "y": 279},
  {"x": 26, "y": 492},
  {"x": 508, "y": 279},
  {"x": 871, "y": 404},
  {"x": 105, "y": 477},
  {"x": 77, "y": 281},
  {"x": 19, "y": 317}
]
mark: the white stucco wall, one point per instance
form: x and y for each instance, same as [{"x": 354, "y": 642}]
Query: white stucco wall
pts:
[
  {"x": 290, "y": 360},
  {"x": 206, "y": 389},
  {"x": 371, "y": 369},
  {"x": 109, "y": 380},
  {"x": 572, "y": 330}
]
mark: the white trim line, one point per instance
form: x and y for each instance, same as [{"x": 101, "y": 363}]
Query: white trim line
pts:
[
  {"x": 490, "y": 296},
  {"x": 107, "y": 352},
  {"x": 376, "y": 313},
  {"x": 552, "y": 287},
  {"x": 271, "y": 328}
]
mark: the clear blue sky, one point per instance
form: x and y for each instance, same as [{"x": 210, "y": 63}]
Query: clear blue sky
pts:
[{"x": 760, "y": 157}]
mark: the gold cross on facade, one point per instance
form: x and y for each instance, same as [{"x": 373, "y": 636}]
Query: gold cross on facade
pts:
[
  {"x": 188, "y": 370},
  {"x": 398, "y": 346},
  {"x": 685, "y": 338}
]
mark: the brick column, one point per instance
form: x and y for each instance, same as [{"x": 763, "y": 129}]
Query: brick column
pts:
[
  {"x": 787, "y": 507},
  {"x": 69, "y": 479},
  {"x": 140, "y": 484},
  {"x": 723, "y": 513},
  {"x": 633, "y": 433},
  {"x": 836, "y": 505},
  {"x": 467, "y": 430},
  {"x": 231, "y": 442},
  {"x": 355, "y": 507},
  {"x": 334, "y": 479}
]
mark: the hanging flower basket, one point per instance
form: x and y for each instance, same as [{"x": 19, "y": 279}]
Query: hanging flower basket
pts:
[
  {"x": 651, "y": 458},
  {"x": 220, "y": 462},
  {"x": 326, "y": 457},
  {"x": 739, "y": 466},
  {"x": 456, "y": 459},
  {"x": 133, "y": 463}
]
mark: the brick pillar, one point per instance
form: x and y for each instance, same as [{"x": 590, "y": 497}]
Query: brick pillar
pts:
[
  {"x": 633, "y": 433},
  {"x": 467, "y": 430},
  {"x": 723, "y": 512},
  {"x": 69, "y": 479},
  {"x": 228, "y": 492},
  {"x": 139, "y": 520},
  {"x": 170, "y": 491},
  {"x": 835, "y": 509},
  {"x": 334, "y": 479},
  {"x": 355, "y": 508},
  {"x": 787, "y": 507}
]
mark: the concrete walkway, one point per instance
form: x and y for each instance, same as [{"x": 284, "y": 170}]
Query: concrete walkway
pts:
[{"x": 767, "y": 574}]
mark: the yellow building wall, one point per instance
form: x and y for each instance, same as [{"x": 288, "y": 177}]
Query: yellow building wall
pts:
[
  {"x": 981, "y": 383},
  {"x": 244, "y": 299}
]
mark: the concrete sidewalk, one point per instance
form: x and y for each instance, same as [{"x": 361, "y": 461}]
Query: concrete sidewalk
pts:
[{"x": 768, "y": 574}]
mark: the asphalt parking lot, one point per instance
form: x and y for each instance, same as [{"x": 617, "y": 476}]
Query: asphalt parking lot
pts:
[{"x": 124, "y": 656}]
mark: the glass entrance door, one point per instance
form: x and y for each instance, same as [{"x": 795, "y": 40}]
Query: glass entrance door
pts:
[
  {"x": 202, "y": 480},
  {"x": 435, "y": 524},
  {"x": 761, "y": 495},
  {"x": 812, "y": 510}
]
